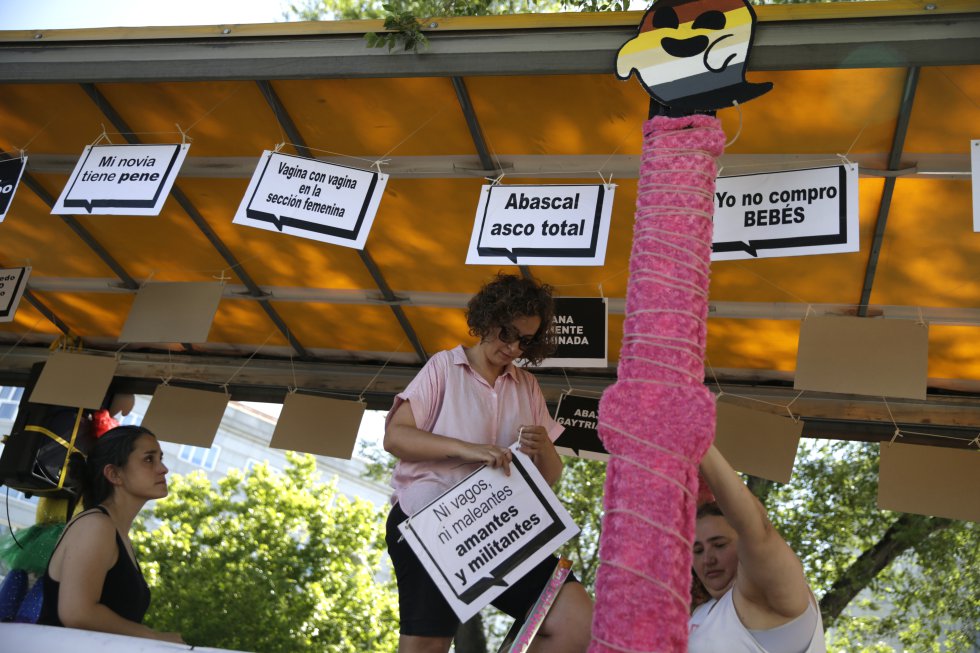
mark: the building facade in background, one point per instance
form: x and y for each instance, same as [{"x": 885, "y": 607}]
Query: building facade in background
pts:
[{"x": 242, "y": 441}]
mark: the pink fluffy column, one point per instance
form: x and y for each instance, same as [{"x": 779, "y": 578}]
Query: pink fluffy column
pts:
[{"x": 658, "y": 419}]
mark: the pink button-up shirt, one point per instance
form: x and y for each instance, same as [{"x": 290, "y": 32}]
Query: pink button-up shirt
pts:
[{"x": 449, "y": 398}]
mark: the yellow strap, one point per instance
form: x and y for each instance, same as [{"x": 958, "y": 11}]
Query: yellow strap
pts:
[{"x": 69, "y": 446}]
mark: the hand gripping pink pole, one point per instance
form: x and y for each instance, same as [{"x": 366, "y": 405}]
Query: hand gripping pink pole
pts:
[{"x": 658, "y": 419}]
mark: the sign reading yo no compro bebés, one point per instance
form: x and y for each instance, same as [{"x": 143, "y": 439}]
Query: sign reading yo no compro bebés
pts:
[
  {"x": 10, "y": 174},
  {"x": 487, "y": 532},
  {"x": 122, "y": 179},
  {"x": 793, "y": 213},
  {"x": 541, "y": 225},
  {"x": 581, "y": 333},
  {"x": 312, "y": 199}
]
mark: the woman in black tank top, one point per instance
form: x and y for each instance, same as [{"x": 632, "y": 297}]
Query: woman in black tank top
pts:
[{"x": 93, "y": 580}]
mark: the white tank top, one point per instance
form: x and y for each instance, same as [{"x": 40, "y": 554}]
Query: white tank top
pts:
[{"x": 716, "y": 628}]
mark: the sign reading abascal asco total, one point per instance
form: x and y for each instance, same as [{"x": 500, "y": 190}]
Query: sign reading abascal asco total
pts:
[
  {"x": 487, "y": 532},
  {"x": 581, "y": 332},
  {"x": 10, "y": 173},
  {"x": 792, "y": 213},
  {"x": 122, "y": 179},
  {"x": 541, "y": 225},
  {"x": 312, "y": 199}
]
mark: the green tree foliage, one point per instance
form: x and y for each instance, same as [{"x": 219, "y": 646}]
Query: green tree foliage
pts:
[
  {"x": 580, "y": 490},
  {"x": 879, "y": 575},
  {"x": 357, "y": 9},
  {"x": 268, "y": 562}
]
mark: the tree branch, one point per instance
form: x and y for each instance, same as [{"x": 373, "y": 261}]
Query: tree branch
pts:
[{"x": 900, "y": 536}]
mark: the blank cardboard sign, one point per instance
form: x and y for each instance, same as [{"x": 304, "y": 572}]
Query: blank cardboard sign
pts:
[
  {"x": 934, "y": 481},
  {"x": 318, "y": 425},
  {"x": 185, "y": 416},
  {"x": 757, "y": 443},
  {"x": 72, "y": 379},
  {"x": 865, "y": 356},
  {"x": 172, "y": 312}
]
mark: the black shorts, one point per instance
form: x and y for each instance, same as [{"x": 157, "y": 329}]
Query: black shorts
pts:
[{"x": 425, "y": 613}]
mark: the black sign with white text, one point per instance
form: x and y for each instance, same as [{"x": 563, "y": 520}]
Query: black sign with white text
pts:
[
  {"x": 581, "y": 332},
  {"x": 10, "y": 172},
  {"x": 580, "y": 417}
]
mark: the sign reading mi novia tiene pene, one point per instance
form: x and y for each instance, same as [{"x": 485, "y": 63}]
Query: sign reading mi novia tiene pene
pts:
[
  {"x": 121, "y": 179},
  {"x": 312, "y": 199}
]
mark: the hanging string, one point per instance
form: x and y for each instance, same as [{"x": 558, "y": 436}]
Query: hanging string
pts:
[
  {"x": 184, "y": 136},
  {"x": 567, "y": 382},
  {"x": 900, "y": 432},
  {"x": 737, "y": 133},
  {"x": 292, "y": 368},
  {"x": 799, "y": 299},
  {"x": 103, "y": 137},
  {"x": 21, "y": 339},
  {"x": 414, "y": 132},
  {"x": 247, "y": 361},
  {"x": 871, "y": 116},
  {"x": 24, "y": 147},
  {"x": 218, "y": 104},
  {"x": 958, "y": 88},
  {"x": 629, "y": 134},
  {"x": 360, "y": 397},
  {"x": 787, "y": 407}
]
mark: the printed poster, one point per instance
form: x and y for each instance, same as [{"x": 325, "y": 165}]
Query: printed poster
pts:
[
  {"x": 121, "y": 180},
  {"x": 312, "y": 199},
  {"x": 541, "y": 225},
  {"x": 793, "y": 213},
  {"x": 487, "y": 532}
]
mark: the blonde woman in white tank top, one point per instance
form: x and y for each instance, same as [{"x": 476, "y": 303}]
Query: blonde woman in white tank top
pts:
[{"x": 760, "y": 599}]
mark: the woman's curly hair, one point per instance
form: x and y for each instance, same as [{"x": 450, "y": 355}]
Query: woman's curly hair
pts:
[{"x": 507, "y": 297}]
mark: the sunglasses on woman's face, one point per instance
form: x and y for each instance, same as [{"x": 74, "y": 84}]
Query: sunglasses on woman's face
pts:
[{"x": 509, "y": 335}]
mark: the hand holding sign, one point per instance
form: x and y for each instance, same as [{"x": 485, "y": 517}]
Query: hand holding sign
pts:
[
  {"x": 534, "y": 440},
  {"x": 487, "y": 532},
  {"x": 491, "y": 455}
]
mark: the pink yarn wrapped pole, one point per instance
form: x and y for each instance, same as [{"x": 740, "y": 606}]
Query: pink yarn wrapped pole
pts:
[{"x": 658, "y": 419}]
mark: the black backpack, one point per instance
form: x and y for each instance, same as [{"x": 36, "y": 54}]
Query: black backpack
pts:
[{"x": 43, "y": 445}]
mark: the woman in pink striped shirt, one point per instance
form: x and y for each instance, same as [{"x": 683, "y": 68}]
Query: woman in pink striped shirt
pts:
[{"x": 464, "y": 409}]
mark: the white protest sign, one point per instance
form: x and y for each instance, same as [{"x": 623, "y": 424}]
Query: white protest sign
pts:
[
  {"x": 122, "y": 179},
  {"x": 312, "y": 199},
  {"x": 541, "y": 225},
  {"x": 10, "y": 173},
  {"x": 793, "y": 213},
  {"x": 13, "y": 282},
  {"x": 487, "y": 532},
  {"x": 975, "y": 170}
]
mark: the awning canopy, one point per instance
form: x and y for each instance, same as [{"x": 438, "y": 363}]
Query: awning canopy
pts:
[{"x": 892, "y": 86}]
